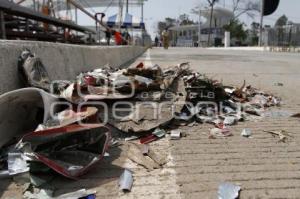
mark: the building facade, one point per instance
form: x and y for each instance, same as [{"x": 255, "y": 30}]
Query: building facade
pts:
[{"x": 188, "y": 35}]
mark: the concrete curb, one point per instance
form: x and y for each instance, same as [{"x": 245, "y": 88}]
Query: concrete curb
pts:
[
  {"x": 62, "y": 61},
  {"x": 241, "y": 48},
  {"x": 263, "y": 49}
]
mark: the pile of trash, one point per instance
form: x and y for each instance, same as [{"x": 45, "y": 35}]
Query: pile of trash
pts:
[{"x": 65, "y": 126}]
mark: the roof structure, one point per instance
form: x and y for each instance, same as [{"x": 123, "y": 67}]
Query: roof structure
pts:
[
  {"x": 61, "y": 4},
  {"x": 128, "y": 21},
  {"x": 221, "y": 16}
]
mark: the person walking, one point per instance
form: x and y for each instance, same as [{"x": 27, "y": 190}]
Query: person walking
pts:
[
  {"x": 118, "y": 38},
  {"x": 165, "y": 38},
  {"x": 108, "y": 36},
  {"x": 156, "y": 41},
  {"x": 126, "y": 37},
  {"x": 117, "y": 35}
]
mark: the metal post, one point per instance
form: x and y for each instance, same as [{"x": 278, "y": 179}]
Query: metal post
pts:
[
  {"x": 85, "y": 11},
  {"x": 261, "y": 21},
  {"x": 199, "y": 33},
  {"x": 21, "y": 1},
  {"x": 142, "y": 11},
  {"x": 98, "y": 36},
  {"x": 2, "y": 24},
  {"x": 97, "y": 30},
  {"x": 90, "y": 38},
  {"x": 76, "y": 18},
  {"x": 27, "y": 25},
  {"x": 68, "y": 10},
  {"x": 210, "y": 23},
  {"x": 38, "y": 6},
  {"x": 126, "y": 6},
  {"x": 120, "y": 14},
  {"x": 76, "y": 15},
  {"x": 34, "y": 5},
  {"x": 290, "y": 35}
]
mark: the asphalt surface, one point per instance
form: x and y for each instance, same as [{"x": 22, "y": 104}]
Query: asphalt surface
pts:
[{"x": 262, "y": 166}]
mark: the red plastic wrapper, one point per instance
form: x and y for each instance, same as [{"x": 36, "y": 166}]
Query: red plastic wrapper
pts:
[
  {"x": 90, "y": 80},
  {"x": 148, "y": 139},
  {"x": 72, "y": 150}
]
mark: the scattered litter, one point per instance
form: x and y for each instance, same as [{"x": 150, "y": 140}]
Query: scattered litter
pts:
[
  {"x": 134, "y": 154},
  {"x": 229, "y": 90},
  {"x": 22, "y": 179},
  {"x": 246, "y": 133},
  {"x": 150, "y": 161},
  {"x": 80, "y": 194},
  {"x": 145, "y": 150},
  {"x": 134, "y": 137},
  {"x": 192, "y": 124},
  {"x": 278, "y": 84},
  {"x": 114, "y": 143},
  {"x": 175, "y": 134},
  {"x": 296, "y": 115},
  {"x": 39, "y": 194},
  {"x": 229, "y": 121},
  {"x": 159, "y": 133},
  {"x": 70, "y": 116},
  {"x": 216, "y": 132},
  {"x": 36, "y": 108},
  {"x": 70, "y": 150},
  {"x": 148, "y": 139},
  {"x": 62, "y": 145},
  {"x": 91, "y": 196},
  {"x": 17, "y": 163},
  {"x": 282, "y": 134},
  {"x": 48, "y": 194},
  {"x": 218, "y": 123},
  {"x": 4, "y": 174},
  {"x": 157, "y": 158},
  {"x": 32, "y": 71},
  {"x": 228, "y": 191},
  {"x": 229, "y": 110},
  {"x": 39, "y": 181},
  {"x": 126, "y": 181}
]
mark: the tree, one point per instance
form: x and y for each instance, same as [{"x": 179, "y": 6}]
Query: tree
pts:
[
  {"x": 254, "y": 33},
  {"x": 255, "y": 26},
  {"x": 248, "y": 7},
  {"x": 236, "y": 29},
  {"x": 280, "y": 23},
  {"x": 170, "y": 22},
  {"x": 184, "y": 20},
  {"x": 167, "y": 23},
  {"x": 161, "y": 26},
  {"x": 239, "y": 8},
  {"x": 211, "y": 4}
]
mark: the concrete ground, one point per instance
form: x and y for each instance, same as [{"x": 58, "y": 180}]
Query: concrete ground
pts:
[{"x": 262, "y": 166}]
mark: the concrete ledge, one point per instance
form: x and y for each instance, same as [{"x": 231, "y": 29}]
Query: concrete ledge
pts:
[
  {"x": 285, "y": 49},
  {"x": 62, "y": 61},
  {"x": 254, "y": 48}
]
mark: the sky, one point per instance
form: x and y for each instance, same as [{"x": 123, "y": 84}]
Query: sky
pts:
[{"x": 158, "y": 10}]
